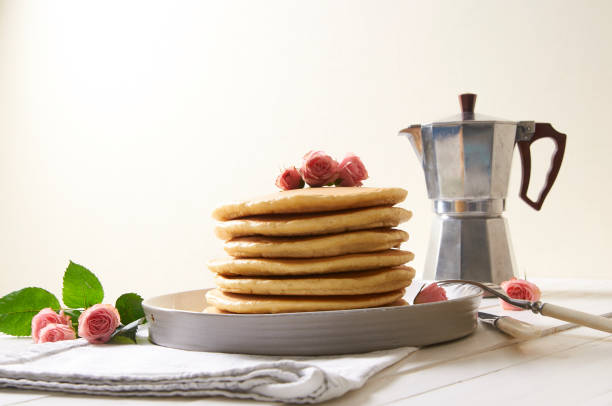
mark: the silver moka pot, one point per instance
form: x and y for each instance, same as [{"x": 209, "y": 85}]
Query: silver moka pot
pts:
[{"x": 466, "y": 159}]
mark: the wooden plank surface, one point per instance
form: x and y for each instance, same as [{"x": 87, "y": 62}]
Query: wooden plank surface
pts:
[{"x": 520, "y": 368}]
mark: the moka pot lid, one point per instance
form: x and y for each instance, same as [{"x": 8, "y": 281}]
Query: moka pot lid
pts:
[{"x": 467, "y": 115}]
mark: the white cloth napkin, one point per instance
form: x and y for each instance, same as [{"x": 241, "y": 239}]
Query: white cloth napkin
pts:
[{"x": 145, "y": 369}]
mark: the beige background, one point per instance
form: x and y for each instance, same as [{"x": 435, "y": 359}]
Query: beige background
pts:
[{"x": 122, "y": 124}]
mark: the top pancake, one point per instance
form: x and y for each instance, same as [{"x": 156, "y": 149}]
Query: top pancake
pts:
[{"x": 311, "y": 200}]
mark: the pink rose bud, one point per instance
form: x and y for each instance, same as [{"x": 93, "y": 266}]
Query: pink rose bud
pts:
[
  {"x": 519, "y": 289},
  {"x": 43, "y": 318},
  {"x": 67, "y": 320},
  {"x": 56, "y": 332},
  {"x": 98, "y": 323},
  {"x": 432, "y": 293},
  {"x": 351, "y": 171},
  {"x": 290, "y": 179},
  {"x": 319, "y": 169}
]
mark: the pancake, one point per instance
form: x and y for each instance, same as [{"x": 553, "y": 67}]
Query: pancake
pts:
[
  {"x": 399, "y": 302},
  {"x": 310, "y": 266},
  {"x": 237, "y": 303},
  {"x": 291, "y": 225},
  {"x": 315, "y": 247},
  {"x": 346, "y": 283},
  {"x": 311, "y": 200},
  {"x": 214, "y": 310}
]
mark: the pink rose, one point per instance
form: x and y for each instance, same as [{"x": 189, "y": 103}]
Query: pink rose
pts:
[
  {"x": 351, "y": 171},
  {"x": 47, "y": 316},
  {"x": 290, "y": 179},
  {"x": 56, "y": 332},
  {"x": 319, "y": 169},
  {"x": 98, "y": 323},
  {"x": 432, "y": 293},
  {"x": 519, "y": 289}
]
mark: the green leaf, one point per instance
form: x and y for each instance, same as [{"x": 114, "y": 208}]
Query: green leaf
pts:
[
  {"x": 123, "y": 339},
  {"x": 82, "y": 289},
  {"x": 129, "y": 306},
  {"x": 18, "y": 308},
  {"x": 127, "y": 333}
]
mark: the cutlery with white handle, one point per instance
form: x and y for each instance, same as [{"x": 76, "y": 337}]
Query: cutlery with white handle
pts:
[
  {"x": 546, "y": 309},
  {"x": 512, "y": 327}
]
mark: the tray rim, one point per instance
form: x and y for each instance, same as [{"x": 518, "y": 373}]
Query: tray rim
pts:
[{"x": 149, "y": 307}]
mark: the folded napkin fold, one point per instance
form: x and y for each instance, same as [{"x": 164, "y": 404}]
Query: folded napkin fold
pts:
[{"x": 149, "y": 370}]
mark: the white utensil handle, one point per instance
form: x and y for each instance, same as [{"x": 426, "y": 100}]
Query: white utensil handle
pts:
[
  {"x": 517, "y": 328},
  {"x": 577, "y": 317}
]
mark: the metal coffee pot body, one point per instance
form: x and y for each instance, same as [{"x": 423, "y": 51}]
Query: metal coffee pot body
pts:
[{"x": 467, "y": 159}]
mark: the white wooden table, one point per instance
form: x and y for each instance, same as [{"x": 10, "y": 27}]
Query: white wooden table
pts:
[{"x": 569, "y": 365}]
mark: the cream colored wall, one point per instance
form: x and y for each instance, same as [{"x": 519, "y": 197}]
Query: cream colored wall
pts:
[{"x": 122, "y": 124}]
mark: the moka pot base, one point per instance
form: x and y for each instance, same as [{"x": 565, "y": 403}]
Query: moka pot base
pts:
[{"x": 471, "y": 248}]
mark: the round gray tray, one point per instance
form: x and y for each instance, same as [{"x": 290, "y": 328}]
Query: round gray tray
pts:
[{"x": 176, "y": 320}]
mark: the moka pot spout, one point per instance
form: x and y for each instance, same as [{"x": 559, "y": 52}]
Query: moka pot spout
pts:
[{"x": 414, "y": 135}]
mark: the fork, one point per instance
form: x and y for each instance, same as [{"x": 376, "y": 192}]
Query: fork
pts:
[{"x": 546, "y": 309}]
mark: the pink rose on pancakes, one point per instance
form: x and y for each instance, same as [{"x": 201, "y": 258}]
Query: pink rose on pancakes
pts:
[
  {"x": 431, "y": 293},
  {"x": 98, "y": 323},
  {"x": 351, "y": 171},
  {"x": 43, "y": 318},
  {"x": 519, "y": 289},
  {"x": 289, "y": 179},
  {"x": 319, "y": 169},
  {"x": 53, "y": 332}
]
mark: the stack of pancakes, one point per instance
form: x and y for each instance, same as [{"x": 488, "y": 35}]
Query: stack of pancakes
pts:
[{"x": 312, "y": 249}]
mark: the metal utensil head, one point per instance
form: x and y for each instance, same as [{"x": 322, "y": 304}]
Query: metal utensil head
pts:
[
  {"x": 487, "y": 318},
  {"x": 523, "y": 304}
]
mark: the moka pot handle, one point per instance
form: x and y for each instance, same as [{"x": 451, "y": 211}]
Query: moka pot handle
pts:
[{"x": 542, "y": 130}]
